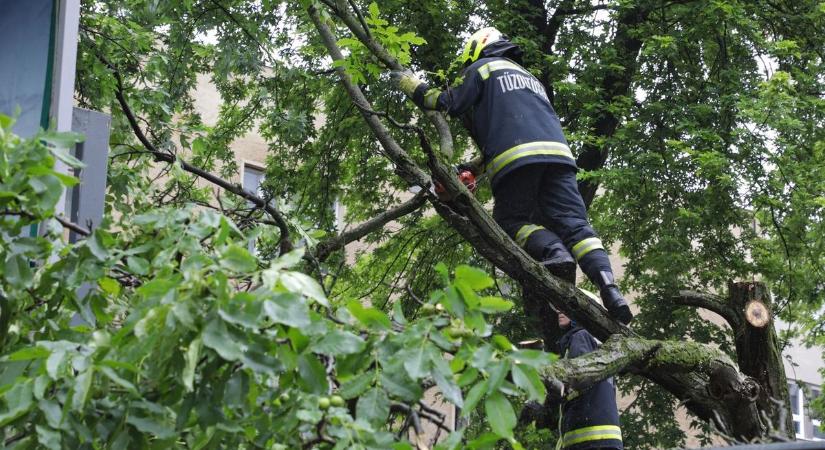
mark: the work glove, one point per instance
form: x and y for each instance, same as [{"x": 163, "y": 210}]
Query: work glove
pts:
[{"x": 405, "y": 81}]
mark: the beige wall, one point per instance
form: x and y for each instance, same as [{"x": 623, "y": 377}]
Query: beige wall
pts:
[{"x": 251, "y": 147}]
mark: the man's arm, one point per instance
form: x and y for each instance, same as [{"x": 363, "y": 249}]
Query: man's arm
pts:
[{"x": 454, "y": 101}]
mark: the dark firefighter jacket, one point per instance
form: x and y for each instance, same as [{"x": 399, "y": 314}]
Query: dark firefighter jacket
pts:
[
  {"x": 589, "y": 418},
  {"x": 507, "y": 113}
]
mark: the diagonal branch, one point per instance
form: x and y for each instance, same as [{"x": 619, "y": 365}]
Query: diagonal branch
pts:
[
  {"x": 326, "y": 247},
  {"x": 236, "y": 189},
  {"x": 361, "y": 31}
]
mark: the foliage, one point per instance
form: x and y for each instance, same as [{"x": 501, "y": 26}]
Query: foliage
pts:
[
  {"x": 169, "y": 331},
  {"x": 713, "y": 172}
]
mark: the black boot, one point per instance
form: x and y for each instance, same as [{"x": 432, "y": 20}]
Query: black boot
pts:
[
  {"x": 560, "y": 263},
  {"x": 612, "y": 299}
]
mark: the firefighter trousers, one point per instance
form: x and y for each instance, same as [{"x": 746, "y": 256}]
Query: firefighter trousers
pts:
[{"x": 540, "y": 207}]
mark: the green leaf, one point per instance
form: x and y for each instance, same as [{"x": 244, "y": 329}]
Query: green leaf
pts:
[
  {"x": 48, "y": 438},
  {"x": 449, "y": 388},
  {"x": 17, "y": 271},
  {"x": 494, "y": 305},
  {"x": 238, "y": 259},
  {"x": 192, "y": 356},
  {"x": 373, "y": 9},
  {"x": 97, "y": 247},
  {"x": 374, "y": 407},
  {"x": 356, "y": 386},
  {"x": 502, "y": 343},
  {"x": 453, "y": 442},
  {"x": 534, "y": 358},
  {"x": 152, "y": 426},
  {"x": 475, "y": 278},
  {"x": 117, "y": 379},
  {"x": 498, "y": 372},
  {"x": 485, "y": 441},
  {"x": 288, "y": 309},
  {"x": 63, "y": 140},
  {"x": 288, "y": 260},
  {"x": 313, "y": 375},
  {"x": 27, "y": 353},
  {"x": 217, "y": 337},
  {"x": 137, "y": 265},
  {"x": 109, "y": 286},
  {"x": 400, "y": 385},
  {"x": 18, "y": 401},
  {"x": 416, "y": 361},
  {"x": 527, "y": 378},
  {"x": 475, "y": 395},
  {"x": 338, "y": 342},
  {"x": 304, "y": 284},
  {"x": 80, "y": 390},
  {"x": 500, "y": 414},
  {"x": 370, "y": 317},
  {"x": 52, "y": 413}
]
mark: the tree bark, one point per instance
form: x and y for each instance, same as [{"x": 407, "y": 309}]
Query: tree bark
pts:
[{"x": 758, "y": 353}]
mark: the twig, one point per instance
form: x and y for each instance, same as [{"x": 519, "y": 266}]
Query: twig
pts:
[
  {"x": 433, "y": 419},
  {"x": 73, "y": 226},
  {"x": 360, "y": 18}
]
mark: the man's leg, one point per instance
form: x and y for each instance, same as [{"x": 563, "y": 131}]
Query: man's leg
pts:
[
  {"x": 563, "y": 211},
  {"x": 515, "y": 202}
]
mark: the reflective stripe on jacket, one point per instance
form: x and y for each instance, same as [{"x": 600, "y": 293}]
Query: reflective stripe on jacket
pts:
[
  {"x": 507, "y": 113},
  {"x": 590, "y": 419}
]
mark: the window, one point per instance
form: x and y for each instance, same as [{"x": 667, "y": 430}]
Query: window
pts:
[
  {"x": 816, "y": 422},
  {"x": 252, "y": 179},
  {"x": 797, "y": 397}
]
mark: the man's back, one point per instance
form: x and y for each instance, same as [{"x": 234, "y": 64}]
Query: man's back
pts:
[{"x": 509, "y": 116}]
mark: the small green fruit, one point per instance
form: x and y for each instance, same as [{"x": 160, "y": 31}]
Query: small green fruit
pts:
[
  {"x": 323, "y": 403},
  {"x": 336, "y": 400}
]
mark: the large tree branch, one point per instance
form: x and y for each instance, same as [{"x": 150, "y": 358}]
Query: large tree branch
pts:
[
  {"x": 236, "y": 189},
  {"x": 361, "y": 32},
  {"x": 326, "y": 247},
  {"x": 618, "y": 354}
]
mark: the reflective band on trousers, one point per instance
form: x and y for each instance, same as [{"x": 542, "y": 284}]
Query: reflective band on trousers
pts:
[
  {"x": 486, "y": 69},
  {"x": 528, "y": 149},
  {"x": 586, "y": 246},
  {"x": 524, "y": 232},
  {"x": 596, "y": 433}
]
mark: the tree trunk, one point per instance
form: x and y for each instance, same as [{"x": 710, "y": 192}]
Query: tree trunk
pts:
[{"x": 758, "y": 353}]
